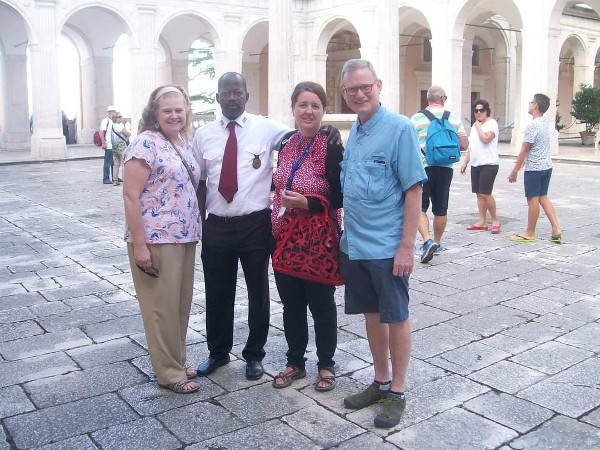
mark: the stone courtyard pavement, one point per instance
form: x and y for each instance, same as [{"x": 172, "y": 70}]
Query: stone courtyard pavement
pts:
[{"x": 505, "y": 353}]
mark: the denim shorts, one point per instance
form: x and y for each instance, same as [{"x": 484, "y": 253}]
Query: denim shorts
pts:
[
  {"x": 372, "y": 288},
  {"x": 536, "y": 182}
]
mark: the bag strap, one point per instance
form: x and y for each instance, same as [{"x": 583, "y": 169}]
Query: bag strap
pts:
[
  {"x": 119, "y": 135},
  {"x": 187, "y": 167},
  {"x": 428, "y": 114},
  {"x": 446, "y": 115}
]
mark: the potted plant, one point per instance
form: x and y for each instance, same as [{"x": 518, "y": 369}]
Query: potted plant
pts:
[{"x": 586, "y": 109}]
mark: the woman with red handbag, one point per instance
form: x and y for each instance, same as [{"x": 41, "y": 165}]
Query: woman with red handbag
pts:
[{"x": 307, "y": 189}]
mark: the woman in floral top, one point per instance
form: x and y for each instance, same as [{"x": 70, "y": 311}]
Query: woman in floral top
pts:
[
  {"x": 307, "y": 164},
  {"x": 163, "y": 228}
]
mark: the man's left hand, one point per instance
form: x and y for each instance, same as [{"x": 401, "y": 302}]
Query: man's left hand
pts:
[
  {"x": 333, "y": 135},
  {"x": 404, "y": 262}
]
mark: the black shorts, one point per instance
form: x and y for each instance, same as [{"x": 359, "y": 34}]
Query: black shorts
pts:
[
  {"x": 482, "y": 179},
  {"x": 437, "y": 188}
]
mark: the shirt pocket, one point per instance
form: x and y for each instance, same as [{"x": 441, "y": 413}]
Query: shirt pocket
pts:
[
  {"x": 255, "y": 152},
  {"x": 368, "y": 179}
]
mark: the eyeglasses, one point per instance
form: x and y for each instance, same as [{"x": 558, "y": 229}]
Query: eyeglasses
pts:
[
  {"x": 119, "y": 117},
  {"x": 477, "y": 111},
  {"x": 151, "y": 271},
  {"x": 444, "y": 98},
  {"x": 365, "y": 89}
]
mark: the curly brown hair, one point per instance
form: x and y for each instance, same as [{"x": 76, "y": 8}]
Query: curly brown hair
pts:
[{"x": 149, "y": 115}]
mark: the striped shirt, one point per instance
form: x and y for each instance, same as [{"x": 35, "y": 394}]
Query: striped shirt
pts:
[{"x": 421, "y": 124}]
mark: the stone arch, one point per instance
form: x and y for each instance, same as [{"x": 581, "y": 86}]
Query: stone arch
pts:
[
  {"x": 415, "y": 59},
  {"x": 339, "y": 41},
  {"x": 571, "y": 73},
  {"x": 16, "y": 34},
  {"x": 255, "y": 66},
  {"x": 176, "y": 35},
  {"x": 495, "y": 78},
  {"x": 95, "y": 29}
]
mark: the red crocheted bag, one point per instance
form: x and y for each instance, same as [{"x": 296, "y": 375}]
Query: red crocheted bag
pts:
[{"x": 307, "y": 246}]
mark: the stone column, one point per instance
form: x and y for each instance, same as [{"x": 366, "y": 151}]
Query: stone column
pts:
[
  {"x": 467, "y": 83},
  {"x": 447, "y": 69},
  {"x": 47, "y": 141},
  {"x": 503, "y": 99},
  {"x": 281, "y": 78},
  {"x": 143, "y": 63},
  {"x": 233, "y": 57},
  {"x": 90, "y": 119},
  {"x": 388, "y": 49},
  {"x": 179, "y": 72},
  {"x": 539, "y": 73},
  {"x": 15, "y": 131}
]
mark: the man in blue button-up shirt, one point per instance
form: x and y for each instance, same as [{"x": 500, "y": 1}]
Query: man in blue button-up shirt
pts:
[{"x": 381, "y": 179}]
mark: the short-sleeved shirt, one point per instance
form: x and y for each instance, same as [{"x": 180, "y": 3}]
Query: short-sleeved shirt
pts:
[
  {"x": 482, "y": 154},
  {"x": 257, "y": 138},
  {"x": 537, "y": 133},
  {"x": 168, "y": 201},
  {"x": 381, "y": 161},
  {"x": 421, "y": 124},
  {"x": 106, "y": 126}
]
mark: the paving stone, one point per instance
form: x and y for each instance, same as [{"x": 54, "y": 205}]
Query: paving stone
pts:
[
  {"x": 507, "y": 376},
  {"x": 510, "y": 411},
  {"x": 322, "y": 427},
  {"x": 143, "y": 434},
  {"x": 20, "y": 300},
  {"x": 50, "y": 309},
  {"x": 78, "y": 290},
  {"x": 453, "y": 430},
  {"x": 16, "y": 315},
  {"x": 125, "y": 308},
  {"x": 114, "y": 329},
  {"x": 13, "y": 401},
  {"x": 593, "y": 418},
  {"x": 106, "y": 353},
  {"x": 491, "y": 320},
  {"x": 551, "y": 357},
  {"x": 87, "y": 301},
  {"x": 45, "y": 343},
  {"x": 265, "y": 436},
  {"x": 534, "y": 332},
  {"x": 12, "y": 331},
  {"x": 76, "y": 319},
  {"x": 432, "y": 341},
  {"x": 80, "y": 443},
  {"x": 87, "y": 383},
  {"x": 542, "y": 278},
  {"x": 149, "y": 399},
  {"x": 534, "y": 304},
  {"x": 200, "y": 421},
  {"x": 4, "y": 445},
  {"x": 584, "y": 310},
  {"x": 366, "y": 441},
  {"x": 259, "y": 403},
  {"x": 587, "y": 337},
  {"x": 508, "y": 343},
  {"x": 11, "y": 290},
  {"x": 24, "y": 370},
  {"x": 60, "y": 422},
  {"x": 115, "y": 296},
  {"x": 469, "y": 358},
  {"x": 572, "y": 392},
  {"x": 558, "y": 434},
  {"x": 587, "y": 284},
  {"x": 422, "y": 316}
]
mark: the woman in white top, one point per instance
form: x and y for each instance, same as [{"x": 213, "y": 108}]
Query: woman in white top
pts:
[{"x": 483, "y": 155}]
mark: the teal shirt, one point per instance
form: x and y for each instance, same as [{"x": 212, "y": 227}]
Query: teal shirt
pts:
[{"x": 381, "y": 161}]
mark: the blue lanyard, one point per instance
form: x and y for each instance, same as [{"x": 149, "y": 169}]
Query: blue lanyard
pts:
[{"x": 296, "y": 164}]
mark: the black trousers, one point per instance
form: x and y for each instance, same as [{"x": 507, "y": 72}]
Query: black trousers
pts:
[
  {"x": 225, "y": 241},
  {"x": 296, "y": 294}
]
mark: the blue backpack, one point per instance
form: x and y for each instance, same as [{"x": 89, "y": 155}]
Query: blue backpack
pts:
[{"x": 442, "y": 146}]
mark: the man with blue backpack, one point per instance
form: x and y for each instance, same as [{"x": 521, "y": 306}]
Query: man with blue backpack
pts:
[{"x": 442, "y": 136}]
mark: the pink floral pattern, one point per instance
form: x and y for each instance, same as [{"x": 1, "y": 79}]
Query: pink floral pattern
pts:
[{"x": 169, "y": 204}]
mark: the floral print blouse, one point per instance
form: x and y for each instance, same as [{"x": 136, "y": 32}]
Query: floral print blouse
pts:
[{"x": 168, "y": 202}]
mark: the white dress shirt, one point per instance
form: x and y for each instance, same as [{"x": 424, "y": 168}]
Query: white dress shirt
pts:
[{"x": 257, "y": 137}]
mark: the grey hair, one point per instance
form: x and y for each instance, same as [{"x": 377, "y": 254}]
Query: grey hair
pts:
[
  {"x": 354, "y": 64},
  {"x": 435, "y": 93}
]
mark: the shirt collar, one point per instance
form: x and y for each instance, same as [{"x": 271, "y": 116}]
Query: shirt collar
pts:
[
  {"x": 240, "y": 120},
  {"x": 368, "y": 126}
]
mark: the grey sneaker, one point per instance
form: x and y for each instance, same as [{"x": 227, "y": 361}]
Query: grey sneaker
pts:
[
  {"x": 393, "y": 409},
  {"x": 369, "y": 396}
]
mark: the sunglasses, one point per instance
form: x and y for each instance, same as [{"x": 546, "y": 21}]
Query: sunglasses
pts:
[
  {"x": 478, "y": 111},
  {"x": 150, "y": 272}
]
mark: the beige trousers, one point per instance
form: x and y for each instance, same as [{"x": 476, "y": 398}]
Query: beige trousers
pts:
[
  {"x": 165, "y": 303},
  {"x": 117, "y": 158}
]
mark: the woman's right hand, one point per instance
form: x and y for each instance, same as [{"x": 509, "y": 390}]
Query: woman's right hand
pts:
[
  {"x": 463, "y": 169},
  {"x": 142, "y": 256}
]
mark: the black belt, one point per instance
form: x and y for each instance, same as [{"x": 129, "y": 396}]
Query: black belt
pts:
[{"x": 235, "y": 219}]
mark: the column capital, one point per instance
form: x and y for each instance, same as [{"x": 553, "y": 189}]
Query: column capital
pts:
[
  {"x": 232, "y": 17},
  {"x": 50, "y": 3}
]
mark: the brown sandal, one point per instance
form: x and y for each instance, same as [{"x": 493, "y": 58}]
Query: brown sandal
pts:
[
  {"x": 180, "y": 387},
  {"x": 288, "y": 377},
  {"x": 329, "y": 381}
]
